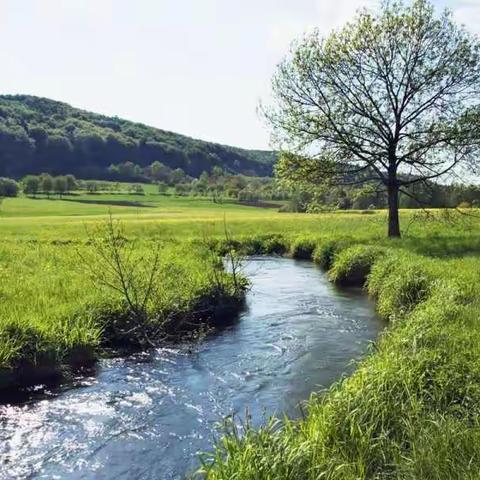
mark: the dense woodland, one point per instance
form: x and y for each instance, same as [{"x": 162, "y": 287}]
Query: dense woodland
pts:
[{"x": 40, "y": 135}]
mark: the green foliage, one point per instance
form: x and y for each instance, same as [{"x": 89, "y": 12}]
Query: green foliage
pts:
[
  {"x": 352, "y": 265},
  {"x": 400, "y": 282},
  {"x": 137, "y": 189},
  {"x": 46, "y": 183},
  {"x": 31, "y": 185},
  {"x": 365, "y": 197},
  {"x": 274, "y": 244},
  {"x": 71, "y": 182},
  {"x": 162, "y": 187},
  {"x": 302, "y": 248},
  {"x": 182, "y": 189},
  {"x": 91, "y": 186},
  {"x": 8, "y": 187},
  {"x": 353, "y": 197},
  {"x": 255, "y": 244},
  {"x": 247, "y": 195},
  {"x": 325, "y": 251},
  {"x": 38, "y": 134},
  {"x": 60, "y": 185}
]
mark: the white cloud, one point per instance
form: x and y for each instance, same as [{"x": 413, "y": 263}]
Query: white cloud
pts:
[
  {"x": 326, "y": 15},
  {"x": 468, "y": 13},
  {"x": 334, "y": 13},
  {"x": 283, "y": 32}
]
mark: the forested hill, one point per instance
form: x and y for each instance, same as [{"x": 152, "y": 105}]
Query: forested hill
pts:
[{"x": 42, "y": 135}]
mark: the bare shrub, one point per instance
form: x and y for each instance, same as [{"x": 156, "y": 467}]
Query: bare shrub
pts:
[{"x": 119, "y": 265}]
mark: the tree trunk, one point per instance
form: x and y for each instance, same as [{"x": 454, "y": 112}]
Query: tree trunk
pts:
[{"x": 393, "y": 218}]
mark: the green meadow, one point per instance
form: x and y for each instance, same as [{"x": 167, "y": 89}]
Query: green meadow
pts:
[{"x": 410, "y": 410}]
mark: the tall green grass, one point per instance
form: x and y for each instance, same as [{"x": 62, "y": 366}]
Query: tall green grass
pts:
[{"x": 52, "y": 313}]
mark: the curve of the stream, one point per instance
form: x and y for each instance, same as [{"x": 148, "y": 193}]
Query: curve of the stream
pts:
[{"x": 147, "y": 417}]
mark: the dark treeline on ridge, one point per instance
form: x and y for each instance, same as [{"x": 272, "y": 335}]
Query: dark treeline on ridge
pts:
[{"x": 40, "y": 135}]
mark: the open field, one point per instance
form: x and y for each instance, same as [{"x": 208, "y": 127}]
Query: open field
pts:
[
  {"x": 439, "y": 233},
  {"x": 411, "y": 410}
]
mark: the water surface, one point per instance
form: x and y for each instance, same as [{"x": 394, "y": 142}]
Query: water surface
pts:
[{"x": 147, "y": 417}]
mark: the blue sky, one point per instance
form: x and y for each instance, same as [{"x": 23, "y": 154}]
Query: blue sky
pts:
[{"x": 197, "y": 67}]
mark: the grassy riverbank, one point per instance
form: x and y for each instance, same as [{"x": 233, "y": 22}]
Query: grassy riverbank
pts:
[
  {"x": 62, "y": 304},
  {"x": 412, "y": 408}
]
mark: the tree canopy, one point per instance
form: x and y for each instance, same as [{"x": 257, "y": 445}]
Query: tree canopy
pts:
[{"x": 390, "y": 99}]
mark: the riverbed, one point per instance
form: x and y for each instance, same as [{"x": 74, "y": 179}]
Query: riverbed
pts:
[{"x": 148, "y": 416}]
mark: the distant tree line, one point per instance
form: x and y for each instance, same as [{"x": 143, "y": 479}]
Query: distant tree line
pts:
[
  {"x": 369, "y": 196},
  {"x": 216, "y": 184},
  {"x": 47, "y": 184},
  {"x": 156, "y": 172},
  {"x": 219, "y": 184}
]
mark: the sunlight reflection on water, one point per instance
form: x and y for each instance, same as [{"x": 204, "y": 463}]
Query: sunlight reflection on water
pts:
[{"x": 148, "y": 417}]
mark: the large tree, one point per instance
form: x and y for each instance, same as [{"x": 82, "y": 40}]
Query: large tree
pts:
[{"x": 387, "y": 99}]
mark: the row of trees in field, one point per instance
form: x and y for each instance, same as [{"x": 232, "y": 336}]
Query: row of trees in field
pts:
[
  {"x": 46, "y": 184},
  {"x": 155, "y": 172},
  {"x": 219, "y": 184},
  {"x": 369, "y": 197}
]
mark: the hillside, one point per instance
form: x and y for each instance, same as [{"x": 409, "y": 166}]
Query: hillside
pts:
[{"x": 42, "y": 135}]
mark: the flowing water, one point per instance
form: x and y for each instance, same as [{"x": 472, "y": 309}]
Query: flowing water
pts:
[{"x": 147, "y": 417}]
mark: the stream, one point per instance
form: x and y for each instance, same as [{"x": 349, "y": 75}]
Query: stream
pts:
[{"x": 148, "y": 416}]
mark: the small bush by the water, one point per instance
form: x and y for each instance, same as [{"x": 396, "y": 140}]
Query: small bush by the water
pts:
[
  {"x": 274, "y": 244},
  {"x": 302, "y": 248},
  {"x": 399, "y": 282},
  {"x": 325, "y": 251},
  {"x": 270, "y": 244},
  {"x": 352, "y": 265}
]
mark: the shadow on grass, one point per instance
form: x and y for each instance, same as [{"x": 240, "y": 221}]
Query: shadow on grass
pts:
[
  {"x": 441, "y": 245},
  {"x": 115, "y": 203}
]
